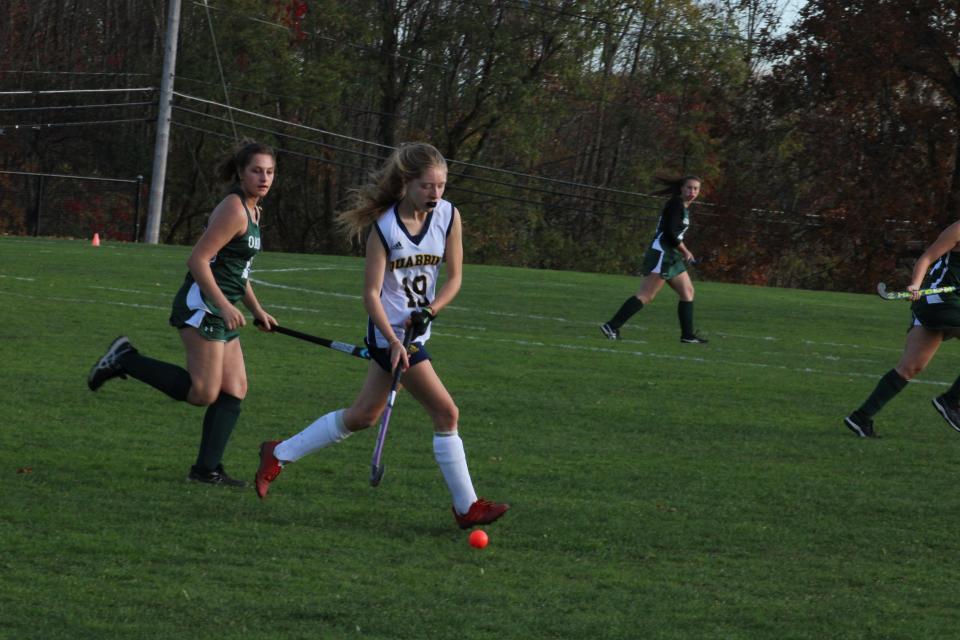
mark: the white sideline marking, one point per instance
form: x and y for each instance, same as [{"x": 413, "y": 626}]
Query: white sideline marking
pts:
[
  {"x": 135, "y": 305},
  {"x": 662, "y": 356},
  {"x": 18, "y": 278},
  {"x": 501, "y": 314},
  {"x": 853, "y": 346},
  {"x": 127, "y": 290},
  {"x": 735, "y": 335},
  {"x": 304, "y": 290},
  {"x": 529, "y": 343},
  {"x": 331, "y": 268}
]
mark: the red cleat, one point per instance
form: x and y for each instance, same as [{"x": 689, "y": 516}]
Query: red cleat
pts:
[
  {"x": 481, "y": 512},
  {"x": 269, "y": 468}
]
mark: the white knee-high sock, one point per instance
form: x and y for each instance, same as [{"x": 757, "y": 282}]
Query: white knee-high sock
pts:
[
  {"x": 325, "y": 431},
  {"x": 449, "y": 453}
]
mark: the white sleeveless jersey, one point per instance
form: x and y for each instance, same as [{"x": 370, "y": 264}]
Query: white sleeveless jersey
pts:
[{"x": 413, "y": 266}]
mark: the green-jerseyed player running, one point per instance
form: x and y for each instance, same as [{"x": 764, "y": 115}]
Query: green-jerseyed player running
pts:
[
  {"x": 935, "y": 318},
  {"x": 205, "y": 314},
  {"x": 666, "y": 261}
]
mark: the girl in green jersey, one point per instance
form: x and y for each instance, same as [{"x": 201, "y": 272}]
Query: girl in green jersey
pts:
[
  {"x": 666, "y": 261},
  {"x": 935, "y": 318},
  {"x": 206, "y": 317}
]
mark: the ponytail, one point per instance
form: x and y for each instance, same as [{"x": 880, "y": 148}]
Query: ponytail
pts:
[
  {"x": 234, "y": 161},
  {"x": 672, "y": 187}
]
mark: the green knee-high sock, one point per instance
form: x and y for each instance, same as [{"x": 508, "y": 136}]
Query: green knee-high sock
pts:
[
  {"x": 685, "y": 314},
  {"x": 952, "y": 395},
  {"x": 169, "y": 378},
  {"x": 629, "y": 307},
  {"x": 890, "y": 385},
  {"x": 218, "y": 423}
]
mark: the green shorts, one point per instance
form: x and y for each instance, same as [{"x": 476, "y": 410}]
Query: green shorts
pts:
[
  {"x": 937, "y": 317},
  {"x": 667, "y": 263},
  {"x": 190, "y": 310}
]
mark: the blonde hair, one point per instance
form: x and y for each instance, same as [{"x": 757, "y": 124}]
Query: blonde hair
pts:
[{"x": 387, "y": 186}]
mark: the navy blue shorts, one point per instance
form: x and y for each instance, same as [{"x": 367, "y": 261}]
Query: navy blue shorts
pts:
[{"x": 416, "y": 353}]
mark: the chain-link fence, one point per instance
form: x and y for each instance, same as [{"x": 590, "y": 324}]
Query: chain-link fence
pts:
[{"x": 70, "y": 206}]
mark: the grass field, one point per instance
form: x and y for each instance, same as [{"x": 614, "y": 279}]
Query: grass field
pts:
[{"x": 659, "y": 490}]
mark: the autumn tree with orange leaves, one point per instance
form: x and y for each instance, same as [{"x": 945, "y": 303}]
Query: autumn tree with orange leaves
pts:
[{"x": 865, "y": 99}]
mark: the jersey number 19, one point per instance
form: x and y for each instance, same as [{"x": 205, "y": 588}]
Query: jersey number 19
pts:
[{"x": 416, "y": 290}]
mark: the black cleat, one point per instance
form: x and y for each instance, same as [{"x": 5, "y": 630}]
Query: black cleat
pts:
[
  {"x": 108, "y": 366},
  {"x": 949, "y": 411},
  {"x": 860, "y": 425},
  {"x": 610, "y": 332},
  {"x": 693, "y": 339},
  {"x": 217, "y": 476}
]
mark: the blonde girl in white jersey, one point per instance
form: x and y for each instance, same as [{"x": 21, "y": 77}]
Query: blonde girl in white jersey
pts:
[{"x": 409, "y": 231}]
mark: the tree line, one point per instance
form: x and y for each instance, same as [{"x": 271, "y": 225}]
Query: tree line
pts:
[{"x": 828, "y": 149}]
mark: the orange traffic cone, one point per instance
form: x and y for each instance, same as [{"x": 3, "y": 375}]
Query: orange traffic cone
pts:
[{"x": 96, "y": 240}]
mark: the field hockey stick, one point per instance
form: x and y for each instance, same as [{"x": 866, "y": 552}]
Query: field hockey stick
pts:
[
  {"x": 906, "y": 295},
  {"x": 352, "y": 349},
  {"x": 376, "y": 466}
]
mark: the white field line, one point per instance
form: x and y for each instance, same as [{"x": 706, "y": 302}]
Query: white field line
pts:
[
  {"x": 662, "y": 356},
  {"x": 500, "y": 314},
  {"x": 853, "y": 346},
  {"x": 285, "y": 287},
  {"x": 155, "y": 293},
  {"x": 736, "y": 335},
  {"x": 560, "y": 320},
  {"x": 18, "y": 278},
  {"x": 520, "y": 342},
  {"x": 330, "y": 268}
]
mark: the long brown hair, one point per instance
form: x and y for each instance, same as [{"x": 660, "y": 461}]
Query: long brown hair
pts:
[
  {"x": 672, "y": 187},
  {"x": 236, "y": 160},
  {"x": 387, "y": 186}
]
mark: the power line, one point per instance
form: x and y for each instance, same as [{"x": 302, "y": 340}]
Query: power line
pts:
[
  {"x": 79, "y": 106},
  {"x": 467, "y": 164},
  {"x": 223, "y": 81},
  {"x": 325, "y": 145},
  {"x": 460, "y": 175},
  {"x": 566, "y": 183},
  {"x": 383, "y": 146},
  {"x": 533, "y": 203},
  {"x": 75, "y": 73},
  {"x": 61, "y": 175},
  {"x": 47, "y": 125},
  {"x": 46, "y": 92},
  {"x": 286, "y": 122}
]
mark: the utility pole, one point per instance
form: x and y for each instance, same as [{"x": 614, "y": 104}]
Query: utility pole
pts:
[{"x": 164, "y": 107}]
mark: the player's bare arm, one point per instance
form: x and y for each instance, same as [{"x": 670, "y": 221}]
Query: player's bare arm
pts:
[
  {"x": 453, "y": 266},
  {"x": 947, "y": 241},
  {"x": 374, "y": 266},
  {"x": 227, "y": 221}
]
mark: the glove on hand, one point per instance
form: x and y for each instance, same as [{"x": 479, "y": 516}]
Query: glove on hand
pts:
[{"x": 420, "y": 320}]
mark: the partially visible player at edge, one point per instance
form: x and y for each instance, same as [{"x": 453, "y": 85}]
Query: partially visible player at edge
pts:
[
  {"x": 409, "y": 231},
  {"x": 205, "y": 315},
  {"x": 935, "y": 318},
  {"x": 666, "y": 260}
]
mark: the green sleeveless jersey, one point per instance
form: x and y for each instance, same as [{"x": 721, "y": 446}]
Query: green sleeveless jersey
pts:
[
  {"x": 940, "y": 311},
  {"x": 231, "y": 265},
  {"x": 945, "y": 272}
]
